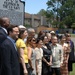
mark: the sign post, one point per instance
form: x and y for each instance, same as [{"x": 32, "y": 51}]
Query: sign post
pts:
[{"x": 14, "y": 10}]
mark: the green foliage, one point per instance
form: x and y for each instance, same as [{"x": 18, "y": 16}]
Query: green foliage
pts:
[
  {"x": 49, "y": 16},
  {"x": 27, "y": 25},
  {"x": 73, "y": 25},
  {"x": 41, "y": 12},
  {"x": 54, "y": 23},
  {"x": 61, "y": 25},
  {"x": 68, "y": 21},
  {"x": 63, "y": 10}
]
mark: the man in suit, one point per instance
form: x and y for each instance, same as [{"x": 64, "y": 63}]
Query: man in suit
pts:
[
  {"x": 4, "y": 23},
  {"x": 10, "y": 62}
]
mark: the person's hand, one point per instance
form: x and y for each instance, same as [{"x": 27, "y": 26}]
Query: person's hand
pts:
[
  {"x": 36, "y": 72},
  {"x": 31, "y": 68},
  {"x": 50, "y": 63},
  {"x": 66, "y": 61},
  {"x": 61, "y": 65},
  {"x": 25, "y": 72}
]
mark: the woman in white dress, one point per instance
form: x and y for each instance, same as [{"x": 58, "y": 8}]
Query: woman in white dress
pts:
[{"x": 39, "y": 55}]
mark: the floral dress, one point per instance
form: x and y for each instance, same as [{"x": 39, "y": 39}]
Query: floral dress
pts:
[{"x": 64, "y": 67}]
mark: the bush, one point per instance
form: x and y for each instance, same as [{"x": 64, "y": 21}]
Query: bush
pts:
[{"x": 27, "y": 25}]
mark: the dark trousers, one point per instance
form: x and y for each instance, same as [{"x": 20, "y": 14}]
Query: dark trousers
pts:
[
  {"x": 70, "y": 67},
  {"x": 56, "y": 71},
  {"x": 21, "y": 68}
]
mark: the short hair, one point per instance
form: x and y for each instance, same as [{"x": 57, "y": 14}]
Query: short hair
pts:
[
  {"x": 53, "y": 37},
  {"x": 67, "y": 34},
  {"x": 48, "y": 34},
  {"x": 21, "y": 26},
  {"x": 10, "y": 28},
  {"x": 62, "y": 36},
  {"x": 30, "y": 30},
  {"x": 2, "y": 20}
]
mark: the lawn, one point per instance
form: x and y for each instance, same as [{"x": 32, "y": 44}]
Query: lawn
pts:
[
  {"x": 72, "y": 35},
  {"x": 73, "y": 72}
]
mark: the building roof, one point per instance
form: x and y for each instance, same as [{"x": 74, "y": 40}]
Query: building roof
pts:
[
  {"x": 36, "y": 17},
  {"x": 27, "y": 15}
]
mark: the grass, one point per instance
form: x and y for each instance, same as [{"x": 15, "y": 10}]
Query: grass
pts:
[
  {"x": 73, "y": 72},
  {"x": 72, "y": 35}
]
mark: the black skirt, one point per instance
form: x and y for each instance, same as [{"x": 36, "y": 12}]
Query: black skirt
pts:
[{"x": 21, "y": 68}]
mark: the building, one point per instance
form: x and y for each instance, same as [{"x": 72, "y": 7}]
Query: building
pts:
[
  {"x": 35, "y": 20},
  {"x": 32, "y": 20}
]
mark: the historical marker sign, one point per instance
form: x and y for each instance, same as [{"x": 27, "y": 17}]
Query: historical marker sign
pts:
[{"x": 14, "y": 10}]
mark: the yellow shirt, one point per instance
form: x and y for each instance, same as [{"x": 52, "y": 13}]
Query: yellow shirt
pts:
[{"x": 19, "y": 44}]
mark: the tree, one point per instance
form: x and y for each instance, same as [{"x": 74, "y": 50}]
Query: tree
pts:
[
  {"x": 53, "y": 7},
  {"x": 67, "y": 12},
  {"x": 42, "y": 12},
  {"x": 50, "y": 17},
  {"x": 63, "y": 11}
]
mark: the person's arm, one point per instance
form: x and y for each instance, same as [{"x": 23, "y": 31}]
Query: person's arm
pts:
[
  {"x": 36, "y": 67},
  {"x": 36, "y": 62},
  {"x": 6, "y": 58},
  {"x": 68, "y": 51},
  {"x": 46, "y": 61},
  {"x": 21, "y": 54},
  {"x": 50, "y": 59},
  {"x": 61, "y": 56},
  {"x": 29, "y": 57},
  {"x": 67, "y": 58}
]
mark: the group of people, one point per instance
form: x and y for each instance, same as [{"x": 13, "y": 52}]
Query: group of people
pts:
[{"x": 24, "y": 53}]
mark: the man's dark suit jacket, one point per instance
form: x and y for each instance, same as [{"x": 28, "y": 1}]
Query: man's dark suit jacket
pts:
[
  {"x": 71, "y": 55},
  {"x": 3, "y": 36},
  {"x": 10, "y": 62}
]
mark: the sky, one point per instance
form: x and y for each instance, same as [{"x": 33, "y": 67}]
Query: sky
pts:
[{"x": 34, "y": 6}]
